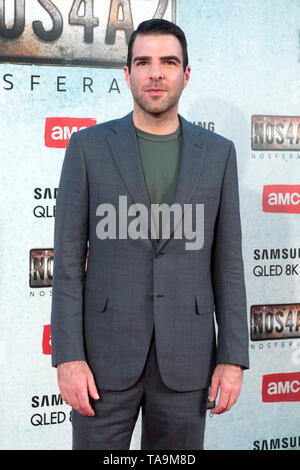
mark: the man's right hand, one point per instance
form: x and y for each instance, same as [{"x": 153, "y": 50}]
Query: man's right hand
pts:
[{"x": 76, "y": 382}]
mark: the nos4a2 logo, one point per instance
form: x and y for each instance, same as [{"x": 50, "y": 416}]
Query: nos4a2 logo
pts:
[{"x": 27, "y": 28}]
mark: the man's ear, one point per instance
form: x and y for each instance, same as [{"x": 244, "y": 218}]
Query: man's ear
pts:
[
  {"x": 127, "y": 75},
  {"x": 187, "y": 73}
]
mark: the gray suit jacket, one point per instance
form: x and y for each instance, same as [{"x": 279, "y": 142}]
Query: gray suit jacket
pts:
[{"x": 104, "y": 310}]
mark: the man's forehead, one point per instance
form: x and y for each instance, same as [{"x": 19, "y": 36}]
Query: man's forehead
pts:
[{"x": 148, "y": 44}]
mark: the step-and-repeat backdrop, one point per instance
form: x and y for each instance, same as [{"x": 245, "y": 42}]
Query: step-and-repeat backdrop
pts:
[{"x": 60, "y": 71}]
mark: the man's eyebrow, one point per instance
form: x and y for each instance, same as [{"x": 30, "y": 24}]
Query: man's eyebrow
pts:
[
  {"x": 171, "y": 57},
  {"x": 167, "y": 57},
  {"x": 143, "y": 57}
]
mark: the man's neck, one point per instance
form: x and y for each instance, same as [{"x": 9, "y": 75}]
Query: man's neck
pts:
[{"x": 160, "y": 124}]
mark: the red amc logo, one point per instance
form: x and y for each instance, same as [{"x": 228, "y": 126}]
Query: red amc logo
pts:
[
  {"x": 58, "y": 130},
  {"x": 46, "y": 344},
  {"x": 281, "y": 198},
  {"x": 281, "y": 387}
]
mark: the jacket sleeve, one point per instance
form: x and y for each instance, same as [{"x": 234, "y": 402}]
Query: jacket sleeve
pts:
[
  {"x": 228, "y": 273},
  {"x": 70, "y": 250}
]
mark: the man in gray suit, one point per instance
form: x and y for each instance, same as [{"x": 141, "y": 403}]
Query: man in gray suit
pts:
[{"x": 133, "y": 323}]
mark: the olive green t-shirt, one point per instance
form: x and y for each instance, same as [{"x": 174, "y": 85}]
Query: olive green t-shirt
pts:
[{"x": 160, "y": 156}]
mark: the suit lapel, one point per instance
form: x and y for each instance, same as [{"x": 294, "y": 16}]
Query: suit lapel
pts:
[
  {"x": 191, "y": 164},
  {"x": 125, "y": 151}
]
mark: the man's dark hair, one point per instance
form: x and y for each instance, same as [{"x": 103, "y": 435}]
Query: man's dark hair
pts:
[{"x": 159, "y": 26}]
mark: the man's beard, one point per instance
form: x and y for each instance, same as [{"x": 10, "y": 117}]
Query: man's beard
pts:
[{"x": 156, "y": 105}]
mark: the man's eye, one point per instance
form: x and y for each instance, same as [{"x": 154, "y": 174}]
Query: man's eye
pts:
[
  {"x": 170, "y": 62},
  {"x": 142, "y": 62}
]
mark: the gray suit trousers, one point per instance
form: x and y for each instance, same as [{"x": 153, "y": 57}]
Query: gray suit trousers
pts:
[{"x": 171, "y": 420}]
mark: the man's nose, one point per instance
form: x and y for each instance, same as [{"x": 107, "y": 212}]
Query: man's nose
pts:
[{"x": 156, "y": 72}]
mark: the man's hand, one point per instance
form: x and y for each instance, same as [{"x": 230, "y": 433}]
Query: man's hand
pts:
[
  {"x": 229, "y": 379},
  {"x": 76, "y": 382}
]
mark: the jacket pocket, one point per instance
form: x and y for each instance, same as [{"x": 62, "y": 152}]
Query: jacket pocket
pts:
[
  {"x": 95, "y": 301},
  {"x": 203, "y": 306}
]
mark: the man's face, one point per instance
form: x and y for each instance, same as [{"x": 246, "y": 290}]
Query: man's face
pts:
[{"x": 157, "y": 78}]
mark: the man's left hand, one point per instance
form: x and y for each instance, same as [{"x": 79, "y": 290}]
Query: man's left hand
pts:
[{"x": 229, "y": 379}]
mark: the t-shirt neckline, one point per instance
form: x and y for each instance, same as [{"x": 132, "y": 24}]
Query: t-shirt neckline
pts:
[{"x": 159, "y": 137}]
